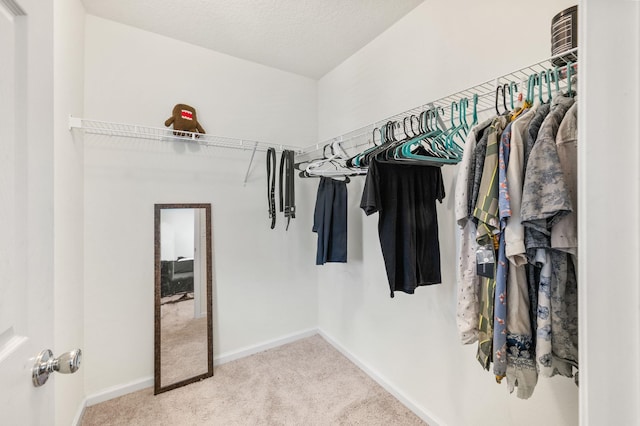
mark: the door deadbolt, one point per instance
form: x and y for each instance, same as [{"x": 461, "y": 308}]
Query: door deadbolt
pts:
[{"x": 67, "y": 363}]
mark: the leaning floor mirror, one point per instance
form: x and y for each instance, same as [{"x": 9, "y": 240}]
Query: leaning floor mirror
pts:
[{"x": 183, "y": 299}]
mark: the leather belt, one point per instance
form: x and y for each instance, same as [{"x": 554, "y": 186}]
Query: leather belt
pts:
[
  {"x": 271, "y": 185},
  {"x": 287, "y": 188}
]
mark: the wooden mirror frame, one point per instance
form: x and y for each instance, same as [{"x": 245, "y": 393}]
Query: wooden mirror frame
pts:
[{"x": 157, "y": 298}]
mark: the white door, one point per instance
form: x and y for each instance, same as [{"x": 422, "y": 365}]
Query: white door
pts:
[{"x": 26, "y": 311}]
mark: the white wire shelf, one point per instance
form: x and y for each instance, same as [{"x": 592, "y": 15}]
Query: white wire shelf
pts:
[
  {"x": 349, "y": 141},
  {"x": 486, "y": 102},
  {"x": 106, "y": 128}
]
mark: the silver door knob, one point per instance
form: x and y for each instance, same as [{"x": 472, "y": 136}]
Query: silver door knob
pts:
[{"x": 67, "y": 363}]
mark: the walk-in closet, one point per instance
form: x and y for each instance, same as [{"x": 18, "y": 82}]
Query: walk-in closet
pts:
[{"x": 320, "y": 212}]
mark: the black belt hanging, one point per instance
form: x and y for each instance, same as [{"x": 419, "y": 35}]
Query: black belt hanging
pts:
[
  {"x": 271, "y": 185},
  {"x": 287, "y": 189}
]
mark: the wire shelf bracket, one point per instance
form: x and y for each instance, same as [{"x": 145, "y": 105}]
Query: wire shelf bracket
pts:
[{"x": 253, "y": 153}]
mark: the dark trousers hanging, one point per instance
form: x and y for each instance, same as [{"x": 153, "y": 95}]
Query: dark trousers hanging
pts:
[{"x": 330, "y": 221}]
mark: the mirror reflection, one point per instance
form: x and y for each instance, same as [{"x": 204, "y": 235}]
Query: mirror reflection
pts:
[{"x": 183, "y": 328}]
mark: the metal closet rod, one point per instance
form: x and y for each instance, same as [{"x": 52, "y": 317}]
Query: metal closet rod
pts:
[
  {"x": 107, "y": 128},
  {"x": 486, "y": 101}
]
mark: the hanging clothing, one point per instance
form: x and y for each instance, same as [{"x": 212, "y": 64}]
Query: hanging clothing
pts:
[
  {"x": 545, "y": 201},
  {"x": 517, "y": 186},
  {"x": 564, "y": 239},
  {"x": 330, "y": 221},
  {"x": 564, "y": 235},
  {"x": 486, "y": 212},
  {"x": 468, "y": 281},
  {"x": 521, "y": 368},
  {"x": 533, "y": 268},
  {"x": 404, "y": 197},
  {"x": 502, "y": 265},
  {"x": 475, "y": 178},
  {"x": 532, "y": 131},
  {"x": 564, "y": 244},
  {"x": 545, "y": 198},
  {"x": 514, "y": 231}
]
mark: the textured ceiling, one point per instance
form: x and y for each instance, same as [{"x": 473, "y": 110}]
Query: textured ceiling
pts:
[{"x": 306, "y": 37}]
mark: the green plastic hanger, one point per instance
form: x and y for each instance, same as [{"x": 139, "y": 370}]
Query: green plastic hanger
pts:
[
  {"x": 547, "y": 79},
  {"x": 556, "y": 78},
  {"x": 513, "y": 87},
  {"x": 357, "y": 159},
  {"x": 444, "y": 141},
  {"x": 569, "y": 71},
  {"x": 454, "y": 132},
  {"x": 464, "y": 103},
  {"x": 457, "y": 108},
  {"x": 540, "y": 85},
  {"x": 475, "y": 110},
  {"x": 531, "y": 88},
  {"x": 428, "y": 141}
]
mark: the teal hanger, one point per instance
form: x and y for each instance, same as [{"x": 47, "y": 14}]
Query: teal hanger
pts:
[
  {"x": 441, "y": 139},
  {"x": 422, "y": 132},
  {"x": 457, "y": 108},
  {"x": 569, "y": 72},
  {"x": 556, "y": 78},
  {"x": 454, "y": 132},
  {"x": 425, "y": 123},
  {"x": 464, "y": 103},
  {"x": 357, "y": 159},
  {"x": 548, "y": 81},
  {"x": 427, "y": 141},
  {"x": 442, "y": 143},
  {"x": 531, "y": 88},
  {"x": 540, "y": 87},
  {"x": 383, "y": 151},
  {"x": 475, "y": 110},
  {"x": 513, "y": 87}
]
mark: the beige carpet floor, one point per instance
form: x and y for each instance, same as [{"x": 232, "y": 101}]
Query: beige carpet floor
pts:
[
  {"x": 183, "y": 342},
  {"x": 306, "y": 382}
]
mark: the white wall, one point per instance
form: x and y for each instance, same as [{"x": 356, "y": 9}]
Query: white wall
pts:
[
  {"x": 264, "y": 287},
  {"x": 412, "y": 341},
  {"x": 609, "y": 180},
  {"x": 68, "y": 90},
  {"x": 176, "y": 233}
]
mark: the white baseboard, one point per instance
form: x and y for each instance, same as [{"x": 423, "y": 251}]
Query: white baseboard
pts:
[
  {"x": 124, "y": 389},
  {"x": 382, "y": 381},
  {"x": 110, "y": 393},
  {"x": 260, "y": 347},
  {"x": 80, "y": 413},
  {"x": 119, "y": 390},
  {"x": 127, "y": 388}
]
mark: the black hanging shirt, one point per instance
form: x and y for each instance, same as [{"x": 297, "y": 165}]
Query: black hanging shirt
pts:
[
  {"x": 405, "y": 197},
  {"x": 330, "y": 221}
]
